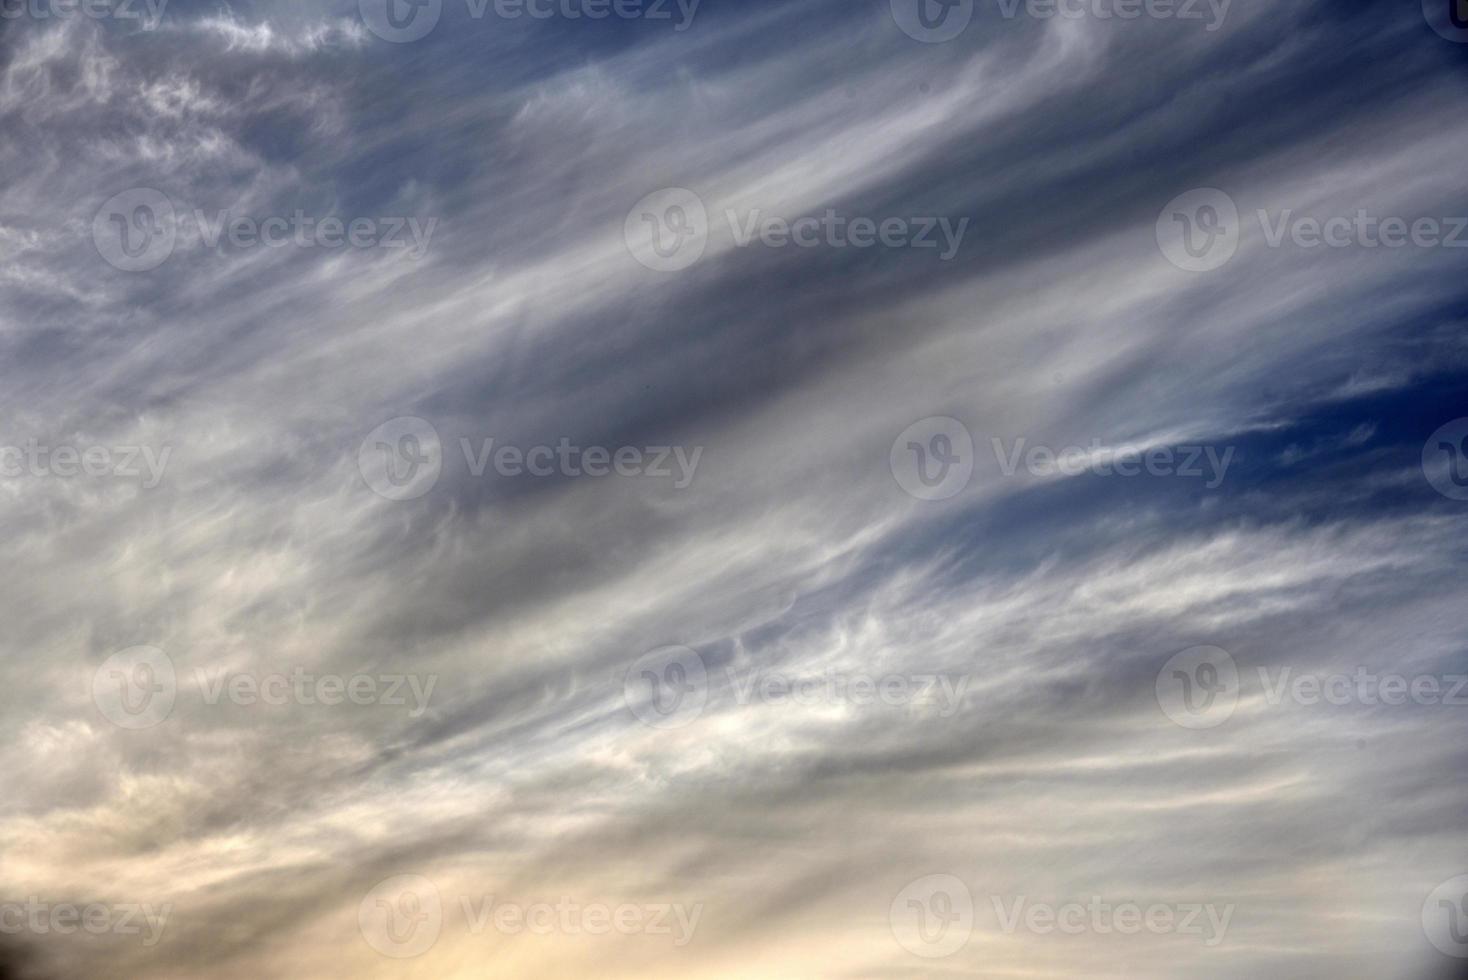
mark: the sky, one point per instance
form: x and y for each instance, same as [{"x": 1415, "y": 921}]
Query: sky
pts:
[{"x": 818, "y": 488}]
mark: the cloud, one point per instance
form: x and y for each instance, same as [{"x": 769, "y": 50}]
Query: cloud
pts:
[{"x": 793, "y": 560}]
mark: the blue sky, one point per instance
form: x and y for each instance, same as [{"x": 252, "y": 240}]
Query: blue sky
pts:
[{"x": 832, "y": 489}]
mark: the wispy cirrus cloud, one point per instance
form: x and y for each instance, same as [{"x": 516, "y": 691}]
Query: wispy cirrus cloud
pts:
[{"x": 301, "y": 553}]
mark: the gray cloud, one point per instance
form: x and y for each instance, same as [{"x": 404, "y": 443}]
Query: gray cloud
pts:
[{"x": 793, "y": 554}]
